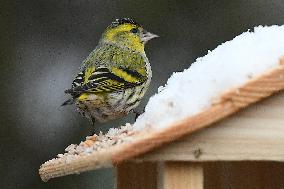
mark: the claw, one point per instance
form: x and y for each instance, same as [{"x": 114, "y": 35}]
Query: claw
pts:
[{"x": 137, "y": 114}]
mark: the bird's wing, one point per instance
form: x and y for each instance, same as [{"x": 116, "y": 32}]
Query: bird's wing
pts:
[
  {"x": 103, "y": 79},
  {"x": 79, "y": 79}
]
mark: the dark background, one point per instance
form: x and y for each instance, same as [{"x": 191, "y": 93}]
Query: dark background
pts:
[{"x": 42, "y": 44}]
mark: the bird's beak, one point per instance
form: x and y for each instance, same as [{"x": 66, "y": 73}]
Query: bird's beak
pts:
[{"x": 146, "y": 36}]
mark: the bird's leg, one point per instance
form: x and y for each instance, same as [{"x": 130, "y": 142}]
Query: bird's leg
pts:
[
  {"x": 93, "y": 120},
  {"x": 137, "y": 113}
]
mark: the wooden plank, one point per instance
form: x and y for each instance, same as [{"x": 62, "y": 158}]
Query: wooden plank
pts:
[
  {"x": 256, "y": 133},
  {"x": 136, "y": 176},
  {"x": 183, "y": 175},
  {"x": 240, "y": 175}
]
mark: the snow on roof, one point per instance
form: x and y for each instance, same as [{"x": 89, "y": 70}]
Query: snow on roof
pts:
[{"x": 230, "y": 65}]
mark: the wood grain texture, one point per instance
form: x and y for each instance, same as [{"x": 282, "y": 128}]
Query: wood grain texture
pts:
[
  {"x": 74, "y": 165},
  {"x": 255, "y": 90},
  {"x": 244, "y": 175},
  {"x": 136, "y": 175},
  {"x": 183, "y": 175}
]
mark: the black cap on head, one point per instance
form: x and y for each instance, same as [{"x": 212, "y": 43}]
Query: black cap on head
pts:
[{"x": 120, "y": 21}]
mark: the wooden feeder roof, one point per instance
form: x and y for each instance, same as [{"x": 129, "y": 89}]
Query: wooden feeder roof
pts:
[{"x": 147, "y": 140}]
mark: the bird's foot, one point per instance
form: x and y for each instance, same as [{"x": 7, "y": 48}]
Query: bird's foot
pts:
[
  {"x": 93, "y": 123},
  {"x": 137, "y": 113}
]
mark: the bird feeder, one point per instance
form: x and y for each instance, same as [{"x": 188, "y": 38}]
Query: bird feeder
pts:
[{"x": 241, "y": 126}]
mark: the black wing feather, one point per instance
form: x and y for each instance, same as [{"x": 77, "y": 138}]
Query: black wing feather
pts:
[{"x": 102, "y": 80}]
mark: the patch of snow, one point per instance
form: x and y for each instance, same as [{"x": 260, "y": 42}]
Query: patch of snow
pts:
[{"x": 229, "y": 65}]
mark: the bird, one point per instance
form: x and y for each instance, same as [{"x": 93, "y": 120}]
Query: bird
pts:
[{"x": 115, "y": 76}]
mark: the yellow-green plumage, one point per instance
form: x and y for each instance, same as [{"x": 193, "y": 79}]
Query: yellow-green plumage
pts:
[{"x": 116, "y": 75}]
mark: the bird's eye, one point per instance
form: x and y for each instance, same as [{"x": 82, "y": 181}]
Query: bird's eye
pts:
[{"x": 134, "y": 30}]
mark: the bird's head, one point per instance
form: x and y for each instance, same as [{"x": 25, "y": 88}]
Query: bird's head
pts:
[{"x": 126, "y": 32}]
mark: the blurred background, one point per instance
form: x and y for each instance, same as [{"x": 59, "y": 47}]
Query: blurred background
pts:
[{"x": 42, "y": 44}]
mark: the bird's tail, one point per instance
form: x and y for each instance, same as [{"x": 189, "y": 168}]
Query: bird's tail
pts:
[{"x": 68, "y": 102}]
